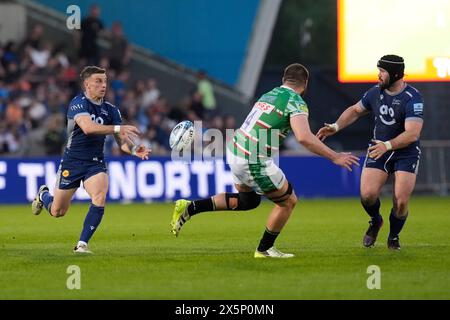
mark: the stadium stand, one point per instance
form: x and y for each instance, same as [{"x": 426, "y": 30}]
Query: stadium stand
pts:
[{"x": 39, "y": 76}]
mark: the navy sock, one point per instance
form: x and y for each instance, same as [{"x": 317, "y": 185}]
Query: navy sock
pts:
[
  {"x": 91, "y": 222},
  {"x": 47, "y": 199},
  {"x": 373, "y": 210},
  {"x": 396, "y": 225},
  {"x": 202, "y": 205},
  {"x": 267, "y": 240}
]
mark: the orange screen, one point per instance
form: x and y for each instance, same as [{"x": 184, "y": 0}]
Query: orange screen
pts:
[{"x": 417, "y": 30}]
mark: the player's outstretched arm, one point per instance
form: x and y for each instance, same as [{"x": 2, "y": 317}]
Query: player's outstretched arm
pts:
[
  {"x": 350, "y": 115},
  {"x": 127, "y": 133},
  {"x": 140, "y": 151},
  {"x": 300, "y": 127}
]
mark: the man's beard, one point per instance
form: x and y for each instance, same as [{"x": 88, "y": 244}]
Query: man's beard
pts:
[{"x": 384, "y": 84}]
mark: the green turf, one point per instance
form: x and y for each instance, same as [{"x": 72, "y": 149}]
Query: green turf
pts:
[{"x": 136, "y": 257}]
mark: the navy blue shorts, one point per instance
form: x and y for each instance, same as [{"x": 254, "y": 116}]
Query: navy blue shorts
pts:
[
  {"x": 72, "y": 171},
  {"x": 394, "y": 160}
]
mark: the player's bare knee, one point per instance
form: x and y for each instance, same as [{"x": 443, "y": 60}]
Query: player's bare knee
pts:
[
  {"x": 401, "y": 199},
  {"x": 289, "y": 203},
  {"x": 369, "y": 198},
  {"x": 287, "y": 199},
  {"x": 292, "y": 201},
  {"x": 400, "y": 204},
  {"x": 99, "y": 199}
]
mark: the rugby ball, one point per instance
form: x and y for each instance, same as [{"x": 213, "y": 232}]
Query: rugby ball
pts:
[{"x": 182, "y": 135}]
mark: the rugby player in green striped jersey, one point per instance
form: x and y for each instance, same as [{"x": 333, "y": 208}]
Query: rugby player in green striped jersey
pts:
[{"x": 251, "y": 153}]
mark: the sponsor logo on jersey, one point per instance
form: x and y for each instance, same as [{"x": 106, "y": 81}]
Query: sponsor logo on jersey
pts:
[
  {"x": 103, "y": 111},
  {"x": 387, "y": 112},
  {"x": 64, "y": 181},
  {"x": 265, "y": 107},
  {"x": 418, "y": 107}
]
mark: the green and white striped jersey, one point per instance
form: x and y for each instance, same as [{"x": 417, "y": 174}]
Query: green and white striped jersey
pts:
[{"x": 268, "y": 124}]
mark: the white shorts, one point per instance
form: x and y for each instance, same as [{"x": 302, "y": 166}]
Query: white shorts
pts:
[{"x": 263, "y": 177}]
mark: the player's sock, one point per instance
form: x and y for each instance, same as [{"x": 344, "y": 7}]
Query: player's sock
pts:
[
  {"x": 202, "y": 205},
  {"x": 267, "y": 240},
  {"x": 47, "y": 200},
  {"x": 91, "y": 222},
  {"x": 373, "y": 210},
  {"x": 396, "y": 224}
]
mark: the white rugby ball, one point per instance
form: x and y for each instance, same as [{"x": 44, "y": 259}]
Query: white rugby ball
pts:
[{"x": 182, "y": 135}]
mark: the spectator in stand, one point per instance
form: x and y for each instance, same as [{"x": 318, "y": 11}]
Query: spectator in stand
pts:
[
  {"x": 150, "y": 95},
  {"x": 10, "y": 54},
  {"x": 218, "y": 123},
  {"x": 14, "y": 115},
  {"x": 206, "y": 91},
  {"x": 55, "y": 135},
  {"x": 196, "y": 104},
  {"x": 160, "y": 106},
  {"x": 10, "y": 142},
  {"x": 158, "y": 135},
  {"x": 90, "y": 29},
  {"x": 34, "y": 40},
  {"x": 118, "y": 85},
  {"x": 13, "y": 73},
  {"x": 120, "y": 51},
  {"x": 40, "y": 56},
  {"x": 230, "y": 122},
  {"x": 4, "y": 94},
  {"x": 33, "y": 143}
]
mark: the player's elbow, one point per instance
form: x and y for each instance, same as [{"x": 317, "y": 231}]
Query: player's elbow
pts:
[
  {"x": 87, "y": 130},
  {"x": 413, "y": 137},
  {"x": 304, "y": 139}
]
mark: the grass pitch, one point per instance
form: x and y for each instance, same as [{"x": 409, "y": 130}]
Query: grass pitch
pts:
[{"x": 136, "y": 257}]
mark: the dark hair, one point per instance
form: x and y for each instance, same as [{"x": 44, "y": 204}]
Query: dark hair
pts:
[
  {"x": 295, "y": 74},
  {"x": 89, "y": 71}
]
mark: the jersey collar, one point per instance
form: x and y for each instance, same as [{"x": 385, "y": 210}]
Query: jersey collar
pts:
[
  {"x": 92, "y": 101},
  {"x": 289, "y": 88},
  {"x": 393, "y": 95}
]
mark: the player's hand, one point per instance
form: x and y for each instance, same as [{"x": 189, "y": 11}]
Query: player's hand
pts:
[
  {"x": 377, "y": 150},
  {"x": 346, "y": 159},
  {"x": 142, "y": 152},
  {"x": 326, "y": 131},
  {"x": 127, "y": 133}
]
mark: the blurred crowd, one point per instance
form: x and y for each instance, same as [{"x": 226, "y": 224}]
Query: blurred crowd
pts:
[{"x": 38, "y": 78}]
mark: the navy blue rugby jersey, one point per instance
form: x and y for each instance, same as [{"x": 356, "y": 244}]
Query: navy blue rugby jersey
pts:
[
  {"x": 392, "y": 111},
  {"x": 82, "y": 146}
]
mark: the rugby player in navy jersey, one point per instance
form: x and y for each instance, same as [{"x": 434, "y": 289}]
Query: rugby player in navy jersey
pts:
[
  {"x": 398, "y": 113},
  {"x": 90, "y": 118}
]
